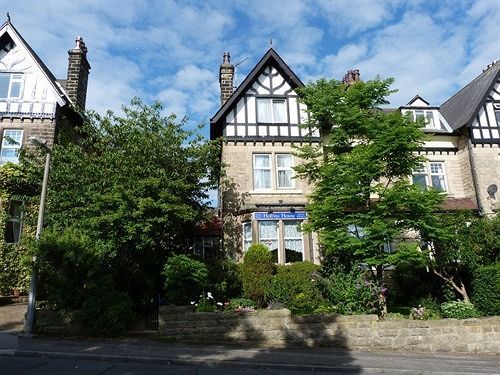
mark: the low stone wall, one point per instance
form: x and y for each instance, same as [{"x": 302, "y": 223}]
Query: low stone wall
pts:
[{"x": 277, "y": 328}]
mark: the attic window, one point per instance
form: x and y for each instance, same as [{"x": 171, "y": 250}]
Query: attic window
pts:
[
  {"x": 271, "y": 110},
  {"x": 10, "y": 85},
  {"x": 6, "y": 43},
  {"x": 427, "y": 116}
]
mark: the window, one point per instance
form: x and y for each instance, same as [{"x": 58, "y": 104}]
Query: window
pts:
[
  {"x": 432, "y": 175},
  {"x": 13, "y": 225},
  {"x": 205, "y": 246},
  {"x": 247, "y": 236},
  {"x": 263, "y": 168},
  {"x": 427, "y": 116},
  {"x": 11, "y": 143},
  {"x": 271, "y": 110},
  {"x": 294, "y": 251},
  {"x": 262, "y": 171},
  {"x": 10, "y": 85},
  {"x": 284, "y": 171},
  {"x": 497, "y": 116},
  {"x": 268, "y": 235}
]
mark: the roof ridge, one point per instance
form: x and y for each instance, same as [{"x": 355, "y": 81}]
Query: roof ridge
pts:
[{"x": 471, "y": 82}]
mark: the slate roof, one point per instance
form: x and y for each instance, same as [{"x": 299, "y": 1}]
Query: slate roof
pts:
[
  {"x": 461, "y": 108},
  {"x": 62, "y": 94},
  {"x": 270, "y": 58}
]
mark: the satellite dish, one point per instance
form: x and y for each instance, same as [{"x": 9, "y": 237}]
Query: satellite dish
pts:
[{"x": 492, "y": 189}]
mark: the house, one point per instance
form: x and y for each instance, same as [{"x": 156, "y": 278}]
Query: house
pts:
[
  {"x": 33, "y": 103},
  {"x": 260, "y": 124}
]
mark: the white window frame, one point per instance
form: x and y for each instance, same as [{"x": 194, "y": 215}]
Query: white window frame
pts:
[
  {"x": 270, "y": 169},
  {"x": 14, "y": 78},
  {"x": 247, "y": 241},
  {"x": 273, "y": 119},
  {"x": 426, "y": 170},
  {"x": 284, "y": 169},
  {"x": 7, "y": 145}
]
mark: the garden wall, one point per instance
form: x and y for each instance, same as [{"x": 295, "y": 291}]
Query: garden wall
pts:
[{"x": 277, "y": 328}]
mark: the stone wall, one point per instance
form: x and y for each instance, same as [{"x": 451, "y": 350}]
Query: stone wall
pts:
[{"x": 277, "y": 328}]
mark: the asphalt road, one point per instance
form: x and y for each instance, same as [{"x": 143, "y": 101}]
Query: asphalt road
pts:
[{"x": 52, "y": 366}]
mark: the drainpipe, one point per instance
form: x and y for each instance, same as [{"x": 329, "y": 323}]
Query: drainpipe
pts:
[{"x": 472, "y": 162}]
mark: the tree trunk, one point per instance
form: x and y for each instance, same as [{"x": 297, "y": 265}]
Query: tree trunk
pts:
[{"x": 460, "y": 287}]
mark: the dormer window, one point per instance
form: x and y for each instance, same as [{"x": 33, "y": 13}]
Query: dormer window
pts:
[
  {"x": 10, "y": 85},
  {"x": 271, "y": 110},
  {"x": 427, "y": 116}
]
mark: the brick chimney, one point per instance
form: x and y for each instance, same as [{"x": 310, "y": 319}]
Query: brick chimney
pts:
[
  {"x": 226, "y": 76},
  {"x": 78, "y": 74},
  {"x": 351, "y": 77}
]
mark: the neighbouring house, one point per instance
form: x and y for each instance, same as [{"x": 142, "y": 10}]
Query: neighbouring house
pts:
[
  {"x": 34, "y": 104},
  {"x": 260, "y": 123}
]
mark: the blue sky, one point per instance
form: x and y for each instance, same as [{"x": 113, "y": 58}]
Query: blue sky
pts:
[{"x": 171, "y": 50}]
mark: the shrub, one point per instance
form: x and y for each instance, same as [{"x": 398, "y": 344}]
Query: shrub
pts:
[
  {"x": 257, "y": 272},
  {"x": 348, "y": 292},
  {"x": 224, "y": 279},
  {"x": 486, "y": 289},
  {"x": 241, "y": 303},
  {"x": 184, "y": 279},
  {"x": 459, "y": 310},
  {"x": 428, "y": 308},
  {"x": 108, "y": 315},
  {"x": 291, "y": 280}
]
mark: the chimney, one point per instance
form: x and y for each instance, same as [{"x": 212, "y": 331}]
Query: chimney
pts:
[
  {"x": 226, "y": 76},
  {"x": 490, "y": 65},
  {"x": 351, "y": 77},
  {"x": 78, "y": 74}
]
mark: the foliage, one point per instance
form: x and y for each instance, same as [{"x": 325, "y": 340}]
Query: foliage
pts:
[
  {"x": 207, "y": 303},
  {"x": 349, "y": 292},
  {"x": 291, "y": 280},
  {"x": 15, "y": 268},
  {"x": 366, "y": 153},
  {"x": 72, "y": 268},
  {"x": 108, "y": 315},
  {"x": 486, "y": 289},
  {"x": 224, "y": 279},
  {"x": 185, "y": 279},
  {"x": 241, "y": 303},
  {"x": 459, "y": 310},
  {"x": 134, "y": 187},
  {"x": 461, "y": 242},
  {"x": 256, "y": 272}
]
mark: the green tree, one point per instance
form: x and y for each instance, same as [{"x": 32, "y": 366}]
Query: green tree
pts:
[
  {"x": 136, "y": 186},
  {"x": 363, "y": 198},
  {"x": 459, "y": 243}
]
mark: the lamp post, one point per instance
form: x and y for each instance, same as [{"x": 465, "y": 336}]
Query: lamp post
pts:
[{"x": 30, "y": 320}]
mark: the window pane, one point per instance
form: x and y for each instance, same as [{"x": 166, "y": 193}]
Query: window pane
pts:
[
  {"x": 419, "y": 114},
  {"x": 15, "y": 209},
  {"x": 437, "y": 168},
  {"x": 438, "y": 183},
  {"x": 247, "y": 235},
  {"x": 293, "y": 242},
  {"x": 420, "y": 180},
  {"x": 262, "y": 179},
  {"x": 497, "y": 115},
  {"x": 430, "y": 119},
  {"x": 284, "y": 160},
  {"x": 13, "y": 137},
  {"x": 15, "y": 90},
  {"x": 4, "y": 85},
  {"x": 262, "y": 161},
  {"x": 268, "y": 235},
  {"x": 285, "y": 179},
  {"x": 264, "y": 110},
  {"x": 279, "y": 110}
]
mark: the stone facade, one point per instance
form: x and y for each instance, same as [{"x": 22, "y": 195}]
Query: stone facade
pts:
[{"x": 278, "y": 328}]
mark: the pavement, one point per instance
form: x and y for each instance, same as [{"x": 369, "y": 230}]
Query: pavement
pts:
[{"x": 142, "y": 350}]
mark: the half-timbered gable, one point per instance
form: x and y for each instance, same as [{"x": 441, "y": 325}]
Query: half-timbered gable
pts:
[
  {"x": 434, "y": 120},
  {"x": 33, "y": 103},
  {"x": 265, "y": 106}
]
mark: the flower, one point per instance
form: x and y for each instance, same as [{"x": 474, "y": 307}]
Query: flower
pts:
[
  {"x": 219, "y": 303},
  {"x": 209, "y": 295},
  {"x": 192, "y": 302}
]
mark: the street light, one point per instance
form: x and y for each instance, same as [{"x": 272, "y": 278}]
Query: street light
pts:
[{"x": 30, "y": 320}]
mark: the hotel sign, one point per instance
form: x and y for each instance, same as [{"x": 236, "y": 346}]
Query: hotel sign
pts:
[{"x": 300, "y": 215}]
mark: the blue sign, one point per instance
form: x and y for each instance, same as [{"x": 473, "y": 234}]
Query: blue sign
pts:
[{"x": 280, "y": 215}]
